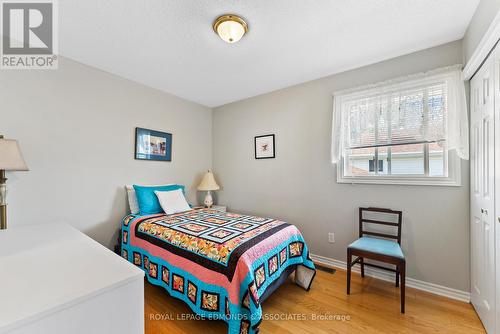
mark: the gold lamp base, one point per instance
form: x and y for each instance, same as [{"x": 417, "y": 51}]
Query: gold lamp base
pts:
[
  {"x": 3, "y": 219},
  {"x": 3, "y": 204}
]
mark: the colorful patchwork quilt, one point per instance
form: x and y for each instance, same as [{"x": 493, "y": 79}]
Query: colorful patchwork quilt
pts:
[{"x": 223, "y": 265}]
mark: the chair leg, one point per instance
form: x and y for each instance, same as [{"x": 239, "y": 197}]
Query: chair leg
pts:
[
  {"x": 349, "y": 261},
  {"x": 362, "y": 264},
  {"x": 402, "y": 271},
  {"x": 397, "y": 276}
]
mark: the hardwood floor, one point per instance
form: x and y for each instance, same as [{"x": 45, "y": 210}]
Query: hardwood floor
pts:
[{"x": 372, "y": 307}]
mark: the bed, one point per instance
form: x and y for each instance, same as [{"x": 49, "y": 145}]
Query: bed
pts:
[{"x": 223, "y": 265}]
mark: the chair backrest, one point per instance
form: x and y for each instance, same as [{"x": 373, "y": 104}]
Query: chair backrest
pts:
[{"x": 363, "y": 220}]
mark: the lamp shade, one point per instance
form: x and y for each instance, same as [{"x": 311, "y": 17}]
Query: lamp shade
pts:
[
  {"x": 11, "y": 157},
  {"x": 208, "y": 183}
]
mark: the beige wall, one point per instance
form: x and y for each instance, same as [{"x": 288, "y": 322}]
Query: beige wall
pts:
[
  {"x": 484, "y": 15},
  {"x": 76, "y": 129},
  {"x": 300, "y": 187}
]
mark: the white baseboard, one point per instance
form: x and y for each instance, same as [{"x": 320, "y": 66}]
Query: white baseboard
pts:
[{"x": 463, "y": 296}]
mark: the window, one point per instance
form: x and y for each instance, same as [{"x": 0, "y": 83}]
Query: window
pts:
[
  {"x": 400, "y": 132},
  {"x": 380, "y": 165}
]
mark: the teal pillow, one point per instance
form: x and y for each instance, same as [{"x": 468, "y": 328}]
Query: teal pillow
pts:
[{"x": 147, "y": 200}]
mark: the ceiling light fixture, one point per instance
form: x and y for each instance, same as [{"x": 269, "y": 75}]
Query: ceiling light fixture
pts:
[{"x": 230, "y": 28}]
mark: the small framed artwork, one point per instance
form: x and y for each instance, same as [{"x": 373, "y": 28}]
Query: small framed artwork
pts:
[
  {"x": 153, "y": 145},
  {"x": 265, "y": 147}
]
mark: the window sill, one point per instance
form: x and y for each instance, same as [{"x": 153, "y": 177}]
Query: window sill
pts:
[{"x": 397, "y": 180}]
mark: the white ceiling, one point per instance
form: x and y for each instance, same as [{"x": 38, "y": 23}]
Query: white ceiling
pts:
[{"x": 170, "y": 44}]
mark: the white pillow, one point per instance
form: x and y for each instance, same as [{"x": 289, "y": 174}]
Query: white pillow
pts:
[
  {"x": 172, "y": 201},
  {"x": 132, "y": 198}
]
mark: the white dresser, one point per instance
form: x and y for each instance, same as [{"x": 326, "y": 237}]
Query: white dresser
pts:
[{"x": 54, "y": 279}]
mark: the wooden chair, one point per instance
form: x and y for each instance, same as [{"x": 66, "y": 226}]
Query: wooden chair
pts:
[{"x": 370, "y": 245}]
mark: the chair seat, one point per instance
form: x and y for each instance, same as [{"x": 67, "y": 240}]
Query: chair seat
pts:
[{"x": 378, "y": 246}]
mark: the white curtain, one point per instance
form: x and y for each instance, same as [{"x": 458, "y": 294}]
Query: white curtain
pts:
[
  {"x": 395, "y": 110},
  {"x": 337, "y": 133},
  {"x": 457, "y": 121}
]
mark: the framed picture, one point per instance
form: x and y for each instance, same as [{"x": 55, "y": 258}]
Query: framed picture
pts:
[
  {"x": 264, "y": 147},
  {"x": 153, "y": 145}
]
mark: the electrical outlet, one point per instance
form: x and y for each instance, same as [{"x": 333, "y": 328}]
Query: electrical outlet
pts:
[{"x": 331, "y": 237}]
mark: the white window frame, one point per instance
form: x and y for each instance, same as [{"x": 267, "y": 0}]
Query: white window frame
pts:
[
  {"x": 453, "y": 178},
  {"x": 452, "y": 163}
]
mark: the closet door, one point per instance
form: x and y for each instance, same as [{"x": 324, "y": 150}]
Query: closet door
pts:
[
  {"x": 483, "y": 194},
  {"x": 475, "y": 187},
  {"x": 496, "y": 56}
]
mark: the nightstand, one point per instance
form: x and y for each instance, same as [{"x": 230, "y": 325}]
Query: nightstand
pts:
[{"x": 219, "y": 208}]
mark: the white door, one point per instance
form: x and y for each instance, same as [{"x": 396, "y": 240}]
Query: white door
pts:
[
  {"x": 483, "y": 194},
  {"x": 496, "y": 59}
]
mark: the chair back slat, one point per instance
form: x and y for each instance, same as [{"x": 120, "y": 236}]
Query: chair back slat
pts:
[
  {"x": 382, "y": 235},
  {"x": 379, "y": 222},
  {"x": 363, "y": 220}
]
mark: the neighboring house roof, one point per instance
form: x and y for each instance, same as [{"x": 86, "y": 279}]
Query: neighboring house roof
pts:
[
  {"x": 433, "y": 147},
  {"x": 358, "y": 171}
]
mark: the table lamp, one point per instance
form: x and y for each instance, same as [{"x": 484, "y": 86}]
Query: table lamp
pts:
[
  {"x": 208, "y": 184},
  {"x": 11, "y": 159}
]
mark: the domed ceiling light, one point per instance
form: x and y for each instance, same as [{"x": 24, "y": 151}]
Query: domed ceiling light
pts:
[{"x": 230, "y": 28}]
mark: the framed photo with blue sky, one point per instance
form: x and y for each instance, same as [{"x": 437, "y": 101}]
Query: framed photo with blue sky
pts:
[{"x": 153, "y": 145}]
